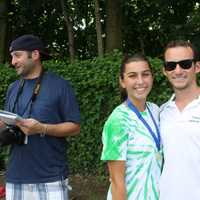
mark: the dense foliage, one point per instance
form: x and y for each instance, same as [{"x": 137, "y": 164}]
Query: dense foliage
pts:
[
  {"x": 96, "y": 85},
  {"x": 146, "y": 25}
]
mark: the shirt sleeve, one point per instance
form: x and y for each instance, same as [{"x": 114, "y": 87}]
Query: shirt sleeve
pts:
[
  {"x": 69, "y": 107},
  {"x": 115, "y": 140}
]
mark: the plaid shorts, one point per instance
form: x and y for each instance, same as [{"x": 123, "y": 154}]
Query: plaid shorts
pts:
[{"x": 41, "y": 191}]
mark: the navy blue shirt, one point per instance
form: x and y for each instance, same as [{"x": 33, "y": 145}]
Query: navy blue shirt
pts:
[{"x": 42, "y": 159}]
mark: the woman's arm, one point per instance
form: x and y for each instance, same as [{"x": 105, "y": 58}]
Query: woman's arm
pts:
[{"x": 117, "y": 178}]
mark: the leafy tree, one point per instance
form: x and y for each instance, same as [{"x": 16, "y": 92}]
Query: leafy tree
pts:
[
  {"x": 68, "y": 21},
  {"x": 3, "y": 29},
  {"x": 113, "y": 25},
  {"x": 98, "y": 29},
  {"x": 72, "y": 27},
  {"x": 149, "y": 25}
]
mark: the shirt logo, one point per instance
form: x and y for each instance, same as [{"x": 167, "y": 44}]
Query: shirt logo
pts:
[{"x": 195, "y": 119}]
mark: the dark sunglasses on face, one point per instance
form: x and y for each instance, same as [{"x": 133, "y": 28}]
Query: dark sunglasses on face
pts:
[{"x": 184, "y": 64}]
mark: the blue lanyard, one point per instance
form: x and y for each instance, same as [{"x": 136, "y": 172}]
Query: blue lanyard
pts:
[{"x": 135, "y": 110}]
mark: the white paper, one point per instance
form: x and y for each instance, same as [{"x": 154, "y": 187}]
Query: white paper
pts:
[{"x": 9, "y": 117}]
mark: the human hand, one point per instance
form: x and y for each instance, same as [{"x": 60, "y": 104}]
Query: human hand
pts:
[
  {"x": 30, "y": 126},
  {"x": 2, "y": 124}
]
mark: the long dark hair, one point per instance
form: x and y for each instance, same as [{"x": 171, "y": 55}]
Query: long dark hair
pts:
[{"x": 126, "y": 60}]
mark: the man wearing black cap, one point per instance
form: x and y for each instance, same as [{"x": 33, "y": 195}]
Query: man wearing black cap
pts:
[{"x": 37, "y": 168}]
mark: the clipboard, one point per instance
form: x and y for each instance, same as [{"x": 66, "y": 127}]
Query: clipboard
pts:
[{"x": 9, "y": 118}]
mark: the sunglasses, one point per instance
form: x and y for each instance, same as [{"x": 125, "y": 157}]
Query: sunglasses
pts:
[{"x": 184, "y": 64}]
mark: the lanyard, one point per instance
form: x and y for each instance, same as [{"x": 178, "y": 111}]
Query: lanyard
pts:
[
  {"x": 33, "y": 96},
  {"x": 135, "y": 110}
]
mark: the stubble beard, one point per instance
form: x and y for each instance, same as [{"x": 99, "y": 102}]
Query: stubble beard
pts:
[{"x": 27, "y": 68}]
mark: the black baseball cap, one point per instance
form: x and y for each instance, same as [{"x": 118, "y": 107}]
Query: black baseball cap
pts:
[{"x": 29, "y": 42}]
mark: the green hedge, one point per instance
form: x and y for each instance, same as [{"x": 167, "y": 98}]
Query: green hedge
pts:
[{"x": 96, "y": 85}]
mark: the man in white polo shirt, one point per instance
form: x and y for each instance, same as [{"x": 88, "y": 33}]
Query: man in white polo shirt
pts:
[{"x": 180, "y": 125}]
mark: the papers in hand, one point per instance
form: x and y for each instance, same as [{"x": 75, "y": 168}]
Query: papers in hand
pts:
[{"x": 9, "y": 117}]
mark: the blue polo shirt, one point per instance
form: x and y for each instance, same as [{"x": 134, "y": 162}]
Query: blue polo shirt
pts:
[{"x": 42, "y": 159}]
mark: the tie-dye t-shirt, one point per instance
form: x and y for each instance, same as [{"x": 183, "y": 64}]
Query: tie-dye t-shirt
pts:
[{"x": 125, "y": 138}]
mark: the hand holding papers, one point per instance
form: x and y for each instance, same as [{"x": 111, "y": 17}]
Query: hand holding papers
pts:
[{"x": 9, "y": 117}]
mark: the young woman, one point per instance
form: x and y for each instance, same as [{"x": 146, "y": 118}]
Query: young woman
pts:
[{"x": 131, "y": 137}]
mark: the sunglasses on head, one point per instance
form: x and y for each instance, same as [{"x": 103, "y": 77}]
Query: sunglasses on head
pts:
[{"x": 184, "y": 64}]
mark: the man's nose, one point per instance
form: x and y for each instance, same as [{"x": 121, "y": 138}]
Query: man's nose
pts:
[
  {"x": 178, "y": 69},
  {"x": 13, "y": 61}
]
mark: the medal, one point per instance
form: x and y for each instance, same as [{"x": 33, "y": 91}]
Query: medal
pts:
[{"x": 159, "y": 156}]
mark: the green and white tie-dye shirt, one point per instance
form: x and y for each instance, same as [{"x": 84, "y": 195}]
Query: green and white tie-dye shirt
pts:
[{"x": 126, "y": 138}]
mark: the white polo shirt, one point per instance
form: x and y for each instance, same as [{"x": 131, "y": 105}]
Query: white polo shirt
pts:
[{"x": 180, "y": 132}]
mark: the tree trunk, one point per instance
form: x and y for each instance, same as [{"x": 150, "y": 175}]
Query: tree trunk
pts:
[
  {"x": 98, "y": 29},
  {"x": 69, "y": 26},
  {"x": 141, "y": 44},
  {"x": 113, "y": 25},
  {"x": 3, "y": 28}
]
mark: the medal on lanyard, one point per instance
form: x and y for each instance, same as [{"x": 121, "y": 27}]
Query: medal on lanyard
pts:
[
  {"x": 159, "y": 156},
  {"x": 155, "y": 137}
]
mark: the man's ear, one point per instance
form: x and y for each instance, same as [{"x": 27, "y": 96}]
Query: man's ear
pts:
[
  {"x": 197, "y": 67},
  {"x": 35, "y": 54},
  {"x": 164, "y": 72}
]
